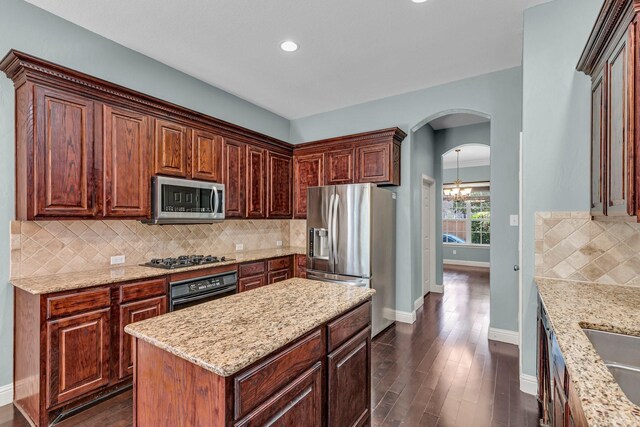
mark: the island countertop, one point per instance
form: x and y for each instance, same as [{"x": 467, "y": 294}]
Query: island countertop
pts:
[
  {"x": 226, "y": 335},
  {"x": 573, "y": 305}
]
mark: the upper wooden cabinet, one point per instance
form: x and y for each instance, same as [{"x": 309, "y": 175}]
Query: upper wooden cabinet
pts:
[
  {"x": 340, "y": 167},
  {"x": 611, "y": 59},
  {"x": 172, "y": 149},
  {"x": 256, "y": 183},
  {"x": 308, "y": 171},
  {"x": 62, "y": 156},
  {"x": 126, "y": 158},
  {"x": 371, "y": 157},
  {"x": 279, "y": 192},
  {"x": 206, "y": 160},
  {"x": 234, "y": 178}
]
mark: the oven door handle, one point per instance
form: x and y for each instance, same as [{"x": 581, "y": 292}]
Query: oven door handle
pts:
[{"x": 203, "y": 296}]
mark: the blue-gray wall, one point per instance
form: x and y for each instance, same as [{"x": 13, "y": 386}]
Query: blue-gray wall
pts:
[
  {"x": 497, "y": 95},
  {"x": 470, "y": 174},
  {"x": 447, "y": 140},
  {"x": 34, "y": 31},
  {"x": 556, "y": 131}
]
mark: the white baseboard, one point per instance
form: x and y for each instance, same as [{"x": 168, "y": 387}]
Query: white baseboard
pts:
[
  {"x": 6, "y": 394},
  {"x": 529, "y": 384},
  {"x": 464, "y": 263},
  {"x": 405, "y": 317},
  {"x": 418, "y": 303},
  {"x": 503, "y": 335},
  {"x": 438, "y": 289}
]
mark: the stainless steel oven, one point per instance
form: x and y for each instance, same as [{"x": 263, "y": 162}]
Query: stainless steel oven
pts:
[
  {"x": 187, "y": 293},
  {"x": 185, "y": 201}
]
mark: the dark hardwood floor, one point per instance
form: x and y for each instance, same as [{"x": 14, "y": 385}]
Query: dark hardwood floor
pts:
[{"x": 440, "y": 371}]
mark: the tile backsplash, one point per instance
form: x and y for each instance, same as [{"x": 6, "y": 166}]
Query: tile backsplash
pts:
[
  {"x": 569, "y": 245},
  {"x": 49, "y": 247}
]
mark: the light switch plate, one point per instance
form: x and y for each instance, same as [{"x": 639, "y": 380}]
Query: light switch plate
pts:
[
  {"x": 118, "y": 259},
  {"x": 239, "y": 246},
  {"x": 455, "y": 252},
  {"x": 513, "y": 220},
  {"x": 278, "y": 243}
]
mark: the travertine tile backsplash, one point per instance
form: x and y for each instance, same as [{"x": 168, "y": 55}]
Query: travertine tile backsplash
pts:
[
  {"x": 298, "y": 233},
  {"x": 51, "y": 247},
  {"x": 569, "y": 245}
]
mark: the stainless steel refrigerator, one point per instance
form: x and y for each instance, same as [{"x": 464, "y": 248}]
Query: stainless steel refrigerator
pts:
[{"x": 351, "y": 239}]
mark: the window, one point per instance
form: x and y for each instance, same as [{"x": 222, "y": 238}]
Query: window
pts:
[{"x": 468, "y": 222}]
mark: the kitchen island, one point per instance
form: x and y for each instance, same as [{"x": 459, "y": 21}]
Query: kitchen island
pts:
[{"x": 295, "y": 353}]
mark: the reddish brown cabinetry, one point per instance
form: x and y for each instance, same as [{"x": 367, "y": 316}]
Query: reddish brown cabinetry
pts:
[
  {"x": 126, "y": 156},
  {"x": 308, "y": 171},
  {"x": 256, "y": 182},
  {"x": 63, "y": 156},
  {"x": 172, "y": 149},
  {"x": 611, "y": 59},
  {"x": 71, "y": 347},
  {"x": 206, "y": 156},
  {"x": 373, "y": 163},
  {"x": 279, "y": 193},
  {"x": 234, "y": 178},
  {"x": 260, "y": 273},
  {"x": 340, "y": 167}
]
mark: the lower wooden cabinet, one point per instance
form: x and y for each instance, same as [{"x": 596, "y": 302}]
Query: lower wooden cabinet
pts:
[
  {"x": 130, "y": 313},
  {"x": 78, "y": 355},
  {"x": 278, "y": 276},
  {"x": 300, "y": 268},
  {"x": 256, "y": 274},
  {"x": 349, "y": 382},
  {"x": 249, "y": 283},
  {"x": 70, "y": 347}
]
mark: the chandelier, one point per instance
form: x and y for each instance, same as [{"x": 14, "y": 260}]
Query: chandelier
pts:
[{"x": 457, "y": 193}]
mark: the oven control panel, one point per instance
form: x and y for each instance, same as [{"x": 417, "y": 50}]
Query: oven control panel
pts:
[{"x": 203, "y": 285}]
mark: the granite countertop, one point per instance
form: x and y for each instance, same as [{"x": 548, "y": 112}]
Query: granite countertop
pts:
[
  {"x": 229, "y": 334},
  {"x": 572, "y": 305},
  {"x": 86, "y": 279}
]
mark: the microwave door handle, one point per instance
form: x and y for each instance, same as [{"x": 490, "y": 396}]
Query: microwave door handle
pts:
[{"x": 214, "y": 207}]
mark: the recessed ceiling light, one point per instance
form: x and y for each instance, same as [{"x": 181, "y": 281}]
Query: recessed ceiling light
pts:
[
  {"x": 289, "y": 46},
  {"x": 419, "y": 1}
]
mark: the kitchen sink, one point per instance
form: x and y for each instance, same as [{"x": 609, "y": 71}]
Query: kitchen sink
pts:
[{"x": 621, "y": 355}]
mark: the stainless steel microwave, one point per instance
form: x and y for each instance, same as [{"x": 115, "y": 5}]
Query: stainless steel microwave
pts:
[{"x": 185, "y": 201}]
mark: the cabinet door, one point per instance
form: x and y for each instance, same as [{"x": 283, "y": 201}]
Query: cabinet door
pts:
[
  {"x": 279, "y": 199},
  {"x": 298, "y": 404},
  {"x": 126, "y": 160},
  {"x": 64, "y": 155},
  {"x": 278, "y": 276},
  {"x": 349, "y": 382},
  {"x": 374, "y": 163},
  {"x": 172, "y": 149},
  {"x": 598, "y": 138},
  {"x": 620, "y": 185},
  {"x": 206, "y": 162},
  {"x": 256, "y": 182},
  {"x": 340, "y": 167},
  {"x": 129, "y": 313},
  {"x": 308, "y": 171},
  {"x": 77, "y": 355},
  {"x": 234, "y": 178},
  {"x": 249, "y": 283}
]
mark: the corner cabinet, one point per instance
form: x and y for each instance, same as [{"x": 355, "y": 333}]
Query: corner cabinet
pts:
[
  {"x": 370, "y": 157},
  {"x": 611, "y": 59}
]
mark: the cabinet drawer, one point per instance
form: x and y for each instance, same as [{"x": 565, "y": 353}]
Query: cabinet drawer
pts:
[
  {"x": 249, "y": 283},
  {"x": 252, "y": 269},
  {"x": 278, "y": 276},
  {"x": 348, "y": 325},
  {"x": 298, "y": 404},
  {"x": 141, "y": 290},
  {"x": 279, "y": 263},
  {"x": 65, "y": 305},
  {"x": 262, "y": 381}
]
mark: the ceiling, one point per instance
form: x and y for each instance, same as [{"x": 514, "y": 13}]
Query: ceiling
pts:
[
  {"x": 350, "y": 51},
  {"x": 471, "y": 155},
  {"x": 456, "y": 120}
]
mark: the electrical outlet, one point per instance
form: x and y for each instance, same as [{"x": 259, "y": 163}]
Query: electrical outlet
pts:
[
  {"x": 278, "y": 243},
  {"x": 455, "y": 252},
  {"x": 118, "y": 259},
  {"x": 513, "y": 220},
  {"x": 239, "y": 246}
]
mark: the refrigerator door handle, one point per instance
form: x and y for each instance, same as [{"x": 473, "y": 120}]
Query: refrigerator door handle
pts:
[
  {"x": 330, "y": 231},
  {"x": 334, "y": 228}
]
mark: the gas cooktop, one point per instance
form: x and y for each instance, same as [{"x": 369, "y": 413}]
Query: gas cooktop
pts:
[{"x": 184, "y": 261}]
